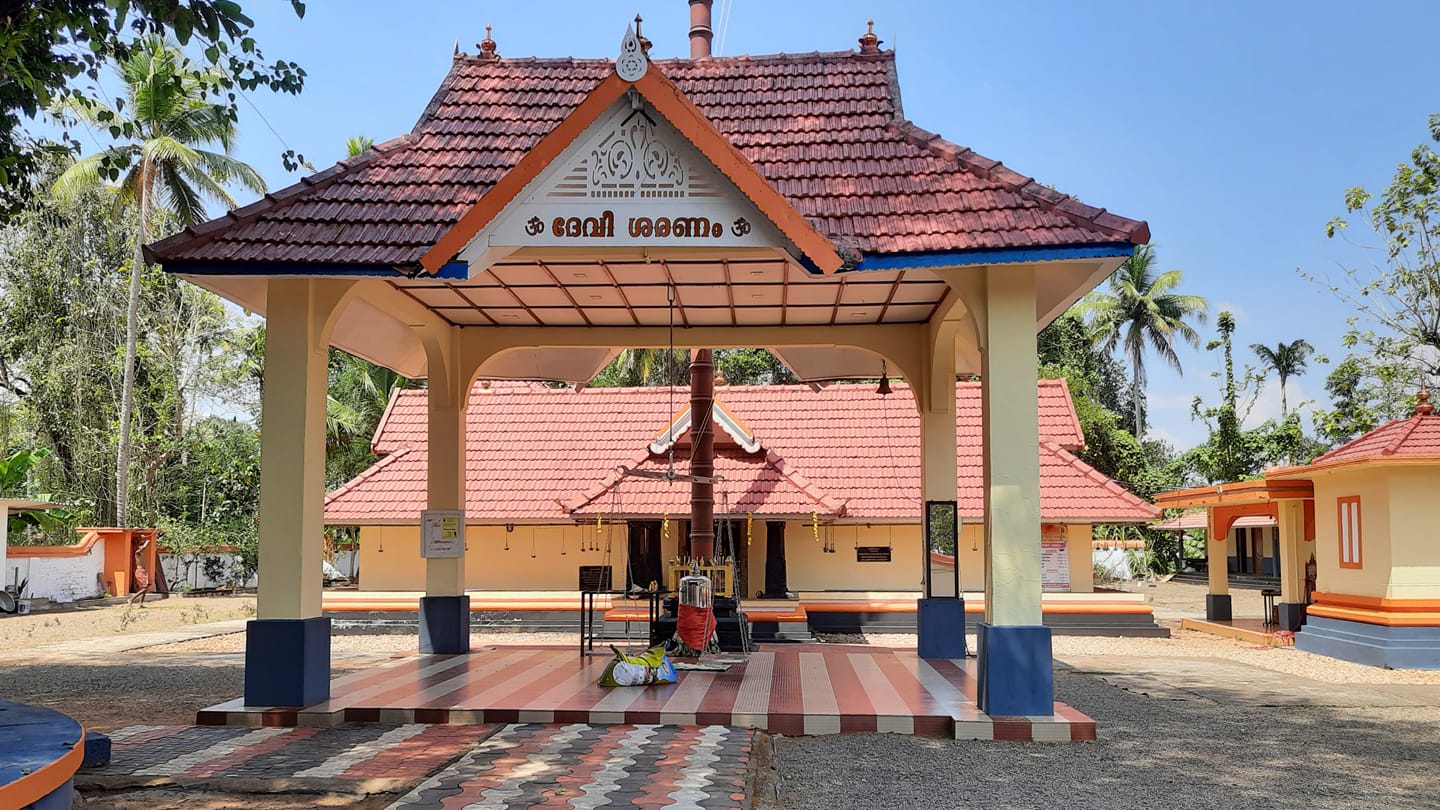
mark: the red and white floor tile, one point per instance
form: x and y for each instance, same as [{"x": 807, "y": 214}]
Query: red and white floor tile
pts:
[{"x": 787, "y": 689}]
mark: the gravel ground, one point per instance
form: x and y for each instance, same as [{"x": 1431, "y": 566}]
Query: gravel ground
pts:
[
  {"x": 1151, "y": 753},
  {"x": 378, "y": 643}
]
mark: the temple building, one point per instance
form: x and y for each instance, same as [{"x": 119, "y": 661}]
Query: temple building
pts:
[
  {"x": 818, "y": 499},
  {"x": 1359, "y": 558}
]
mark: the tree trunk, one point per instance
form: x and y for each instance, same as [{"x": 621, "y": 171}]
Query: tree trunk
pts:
[
  {"x": 132, "y": 328},
  {"x": 1135, "y": 400},
  {"x": 1284, "y": 407}
]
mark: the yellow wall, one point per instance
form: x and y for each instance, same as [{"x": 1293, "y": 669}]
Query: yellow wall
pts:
[
  {"x": 489, "y": 566},
  {"x": 1080, "y": 546},
  {"x": 1372, "y": 486},
  {"x": 1414, "y": 533}
]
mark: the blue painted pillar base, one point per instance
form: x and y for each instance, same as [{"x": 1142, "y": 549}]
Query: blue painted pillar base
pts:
[
  {"x": 940, "y": 628},
  {"x": 97, "y": 749},
  {"x": 1017, "y": 670},
  {"x": 1292, "y": 615},
  {"x": 445, "y": 625},
  {"x": 287, "y": 662},
  {"x": 1217, "y": 607}
]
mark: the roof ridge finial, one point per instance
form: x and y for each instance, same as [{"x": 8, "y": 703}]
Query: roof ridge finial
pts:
[
  {"x": 487, "y": 46},
  {"x": 645, "y": 42},
  {"x": 869, "y": 43},
  {"x": 1423, "y": 407}
]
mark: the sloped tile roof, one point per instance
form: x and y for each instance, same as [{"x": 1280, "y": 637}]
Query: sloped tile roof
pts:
[
  {"x": 826, "y": 129},
  {"x": 1416, "y": 436},
  {"x": 536, "y": 453}
]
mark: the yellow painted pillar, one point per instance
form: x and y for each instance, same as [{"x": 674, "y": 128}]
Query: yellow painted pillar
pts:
[
  {"x": 287, "y": 645},
  {"x": 940, "y": 615},
  {"x": 292, "y": 445},
  {"x": 447, "y": 393},
  {"x": 1011, "y": 439},
  {"x": 1015, "y": 661},
  {"x": 445, "y": 609},
  {"x": 1291, "y": 538},
  {"x": 1217, "y": 569}
]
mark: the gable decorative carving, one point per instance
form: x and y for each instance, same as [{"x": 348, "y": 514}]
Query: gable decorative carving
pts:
[{"x": 631, "y": 161}]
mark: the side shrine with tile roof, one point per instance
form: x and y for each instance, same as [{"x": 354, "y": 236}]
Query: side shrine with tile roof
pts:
[
  {"x": 834, "y": 473},
  {"x": 1359, "y": 549},
  {"x": 544, "y": 214}
]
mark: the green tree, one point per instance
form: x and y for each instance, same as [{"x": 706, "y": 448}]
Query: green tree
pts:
[
  {"x": 358, "y": 145},
  {"x": 1398, "y": 304},
  {"x": 1141, "y": 308},
  {"x": 358, "y": 393},
  {"x": 170, "y": 120},
  {"x": 46, "y": 47},
  {"x": 634, "y": 367},
  {"x": 1286, "y": 360},
  {"x": 1364, "y": 394}
]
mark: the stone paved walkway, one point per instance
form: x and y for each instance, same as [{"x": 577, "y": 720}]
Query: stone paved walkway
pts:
[
  {"x": 581, "y": 766},
  {"x": 357, "y": 759}
]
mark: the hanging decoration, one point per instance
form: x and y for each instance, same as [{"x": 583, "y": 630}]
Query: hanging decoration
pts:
[
  {"x": 815, "y": 525},
  {"x": 749, "y": 528},
  {"x": 509, "y": 527},
  {"x": 532, "y": 542}
]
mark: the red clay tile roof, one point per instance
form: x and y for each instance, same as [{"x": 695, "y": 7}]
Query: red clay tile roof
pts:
[
  {"x": 1416, "y": 436},
  {"x": 536, "y": 453},
  {"x": 824, "y": 128}
]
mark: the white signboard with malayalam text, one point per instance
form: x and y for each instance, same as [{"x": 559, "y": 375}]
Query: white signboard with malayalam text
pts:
[
  {"x": 442, "y": 533},
  {"x": 1054, "y": 559}
]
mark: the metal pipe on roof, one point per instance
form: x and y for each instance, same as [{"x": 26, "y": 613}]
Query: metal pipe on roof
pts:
[{"x": 700, "y": 31}]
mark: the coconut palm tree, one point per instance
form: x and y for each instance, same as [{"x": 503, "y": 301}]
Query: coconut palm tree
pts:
[
  {"x": 167, "y": 119},
  {"x": 1288, "y": 360},
  {"x": 358, "y": 145},
  {"x": 1139, "y": 309}
]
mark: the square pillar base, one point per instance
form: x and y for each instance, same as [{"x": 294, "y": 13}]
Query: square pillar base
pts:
[
  {"x": 1292, "y": 615},
  {"x": 1217, "y": 607},
  {"x": 1017, "y": 670},
  {"x": 445, "y": 625},
  {"x": 940, "y": 628},
  {"x": 287, "y": 662}
]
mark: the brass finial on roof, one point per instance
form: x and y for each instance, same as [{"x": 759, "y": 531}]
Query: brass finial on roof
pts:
[
  {"x": 1423, "y": 406},
  {"x": 645, "y": 42},
  {"x": 487, "y": 46},
  {"x": 869, "y": 43}
]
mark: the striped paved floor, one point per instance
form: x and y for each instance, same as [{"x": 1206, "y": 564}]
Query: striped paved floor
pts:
[{"x": 788, "y": 689}]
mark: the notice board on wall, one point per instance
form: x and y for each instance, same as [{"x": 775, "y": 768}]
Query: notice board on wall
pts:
[
  {"x": 442, "y": 533},
  {"x": 1054, "y": 558}
]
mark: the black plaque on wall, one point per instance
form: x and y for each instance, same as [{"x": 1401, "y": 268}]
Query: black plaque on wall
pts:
[{"x": 872, "y": 554}]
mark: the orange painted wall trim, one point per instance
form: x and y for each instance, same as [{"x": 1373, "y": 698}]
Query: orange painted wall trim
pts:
[
  {"x": 35, "y": 786},
  {"x": 1376, "y": 603},
  {"x": 667, "y": 99},
  {"x": 1380, "y": 617}
]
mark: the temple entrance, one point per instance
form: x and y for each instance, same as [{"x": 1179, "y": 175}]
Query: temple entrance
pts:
[
  {"x": 775, "y": 577},
  {"x": 646, "y": 560}
]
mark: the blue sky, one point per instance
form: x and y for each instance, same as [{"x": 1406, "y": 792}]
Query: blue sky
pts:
[{"x": 1232, "y": 127}]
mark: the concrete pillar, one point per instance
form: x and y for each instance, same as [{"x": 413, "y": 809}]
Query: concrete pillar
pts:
[
  {"x": 1217, "y": 567},
  {"x": 1290, "y": 539},
  {"x": 287, "y": 647},
  {"x": 940, "y": 621},
  {"x": 1016, "y": 664},
  {"x": 445, "y": 609}
]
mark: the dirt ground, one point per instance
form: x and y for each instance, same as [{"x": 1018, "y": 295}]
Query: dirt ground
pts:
[{"x": 17, "y": 632}]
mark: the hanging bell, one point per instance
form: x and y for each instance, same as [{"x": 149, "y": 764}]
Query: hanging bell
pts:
[{"x": 884, "y": 389}]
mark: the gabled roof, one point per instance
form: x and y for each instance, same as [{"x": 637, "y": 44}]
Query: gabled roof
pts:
[
  {"x": 1413, "y": 439},
  {"x": 825, "y": 130},
  {"x": 720, "y": 417},
  {"x": 544, "y": 454}
]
